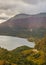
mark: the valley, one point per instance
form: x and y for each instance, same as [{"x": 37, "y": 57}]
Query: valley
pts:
[{"x": 23, "y": 40}]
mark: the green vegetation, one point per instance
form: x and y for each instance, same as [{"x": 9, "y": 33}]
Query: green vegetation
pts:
[
  {"x": 41, "y": 44},
  {"x": 22, "y": 56}
]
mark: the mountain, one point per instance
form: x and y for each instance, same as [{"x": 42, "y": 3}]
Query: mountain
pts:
[
  {"x": 27, "y": 21},
  {"x": 23, "y": 23}
]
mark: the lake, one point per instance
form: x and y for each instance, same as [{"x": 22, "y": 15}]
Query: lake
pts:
[{"x": 11, "y": 43}]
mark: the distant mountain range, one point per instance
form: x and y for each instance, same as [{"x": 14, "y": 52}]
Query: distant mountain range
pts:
[{"x": 23, "y": 23}]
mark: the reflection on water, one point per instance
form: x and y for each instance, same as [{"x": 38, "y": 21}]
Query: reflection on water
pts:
[{"x": 10, "y": 43}]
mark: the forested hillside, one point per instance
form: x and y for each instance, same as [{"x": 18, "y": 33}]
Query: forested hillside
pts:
[{"x": 24, "y": 55}]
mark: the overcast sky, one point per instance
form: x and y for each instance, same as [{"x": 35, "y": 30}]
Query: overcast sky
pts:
[{"x": 9, "y": 8}]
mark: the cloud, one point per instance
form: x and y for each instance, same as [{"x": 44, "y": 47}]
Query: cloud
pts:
[
  {"x": 9, "y": 8},
  {"x": 1, "y": 21},
  {"x": 31, "y": 1}
]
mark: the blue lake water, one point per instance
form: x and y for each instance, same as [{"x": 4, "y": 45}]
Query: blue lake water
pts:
[{"x": 11, "y": 43}]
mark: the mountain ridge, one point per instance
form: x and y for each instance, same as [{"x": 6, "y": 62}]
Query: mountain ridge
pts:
[
  {"x": 23, "y": 23},
  {"x": 31, "y": 19}
]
